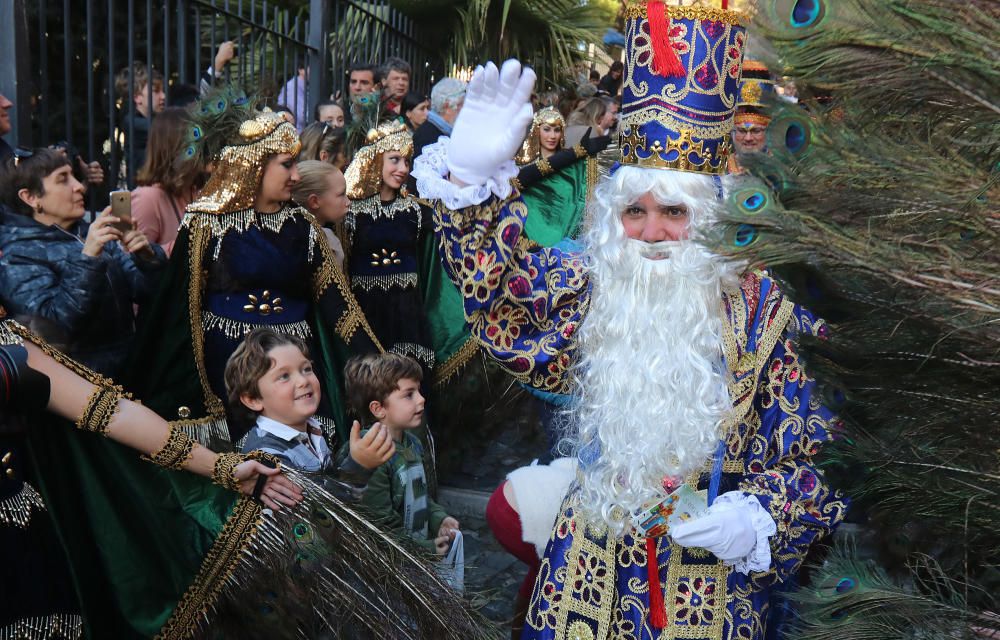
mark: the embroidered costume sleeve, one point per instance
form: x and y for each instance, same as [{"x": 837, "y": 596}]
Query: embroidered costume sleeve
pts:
[
  {"x": 523, "y": 302},
  {"x": 787, "y": 426}
]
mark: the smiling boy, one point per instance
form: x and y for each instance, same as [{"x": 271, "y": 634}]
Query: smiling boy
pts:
[{"x": 271, "y": 381}]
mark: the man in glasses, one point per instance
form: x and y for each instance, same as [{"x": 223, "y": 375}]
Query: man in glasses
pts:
[{"x": 752, "y": 112}]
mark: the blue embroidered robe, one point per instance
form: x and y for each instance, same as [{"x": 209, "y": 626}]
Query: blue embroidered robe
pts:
[{"x": 524, "y": 304}]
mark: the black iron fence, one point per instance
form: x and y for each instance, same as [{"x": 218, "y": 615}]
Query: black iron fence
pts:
[{"x": 59, "y": 60}]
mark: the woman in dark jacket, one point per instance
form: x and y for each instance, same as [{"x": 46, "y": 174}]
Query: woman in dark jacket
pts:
[{"x": 77, "y": 283}]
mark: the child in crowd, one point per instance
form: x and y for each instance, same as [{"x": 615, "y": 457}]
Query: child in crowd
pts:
[
  {"x": 322, "y": 191},
  {"x": 270, "y": 378},
  {"x": 385, "y": 389}
]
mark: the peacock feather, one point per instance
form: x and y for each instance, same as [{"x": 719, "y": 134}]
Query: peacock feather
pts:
[
  {"x": 324, "y": 570},
  {"x": 214, "y": 122},
  {"x": 876, "y": 206}
]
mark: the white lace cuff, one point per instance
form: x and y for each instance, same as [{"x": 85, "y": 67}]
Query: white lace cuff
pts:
[
  {"x": 430, "y": 170},
  {"x": 759, "y": 558}
]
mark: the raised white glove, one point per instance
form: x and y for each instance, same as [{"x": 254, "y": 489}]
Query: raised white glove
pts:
[
  {"x": 492, "y": 123},
  {"x": 735, "y": 530}
]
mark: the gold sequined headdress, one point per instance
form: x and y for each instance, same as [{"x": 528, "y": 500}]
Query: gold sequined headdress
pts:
[
  {"x": 364, "y": 174},
  {"x": 240, "y": 164},
  {"x": 532, "y": 148}
]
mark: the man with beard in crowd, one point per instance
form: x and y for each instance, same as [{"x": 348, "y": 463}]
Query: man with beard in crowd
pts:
[{"x": 684, "y": 370}]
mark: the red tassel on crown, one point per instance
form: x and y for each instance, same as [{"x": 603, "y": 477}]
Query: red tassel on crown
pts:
[
  {"x": 665, "y": 60},
  {"x": 657, "y": 610}
]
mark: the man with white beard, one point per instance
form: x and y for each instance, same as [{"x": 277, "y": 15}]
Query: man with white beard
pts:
[{"x": 684, "y": 369}]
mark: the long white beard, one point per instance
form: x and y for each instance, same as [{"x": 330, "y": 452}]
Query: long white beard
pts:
[{"x": 650, "y": 375}]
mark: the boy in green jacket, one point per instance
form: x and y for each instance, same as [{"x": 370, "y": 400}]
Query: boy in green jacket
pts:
[{"x": 385, "y": 388}]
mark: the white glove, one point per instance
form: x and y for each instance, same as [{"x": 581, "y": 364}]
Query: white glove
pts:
[
  {"x": 492, "y": 123},
  {"x": 735, "y": 530}
]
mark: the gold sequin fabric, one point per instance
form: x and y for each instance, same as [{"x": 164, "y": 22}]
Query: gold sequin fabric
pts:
[
  {"x": 240, "y": 165},
  {"x": 364, "y": 174}
]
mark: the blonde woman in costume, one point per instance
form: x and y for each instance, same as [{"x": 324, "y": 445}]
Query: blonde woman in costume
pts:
[
  {"x": 385, "y": 226},
  {"x": 247, "y": 256}
]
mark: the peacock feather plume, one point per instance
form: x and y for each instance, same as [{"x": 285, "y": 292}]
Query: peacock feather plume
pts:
[
  {"x": 877, "y": 206},
  {"x": 368, "y": 113},
  {"x": 324, "y": 570},
  {"x": 214, "y": 122}
]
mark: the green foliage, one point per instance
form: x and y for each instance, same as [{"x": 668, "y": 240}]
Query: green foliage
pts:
[
  {"x": 550, "y": 35},
  {"x": 880, "y": 212}
]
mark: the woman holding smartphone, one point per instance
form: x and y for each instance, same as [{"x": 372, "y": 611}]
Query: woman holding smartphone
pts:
[{"x": 75, "y": 283}]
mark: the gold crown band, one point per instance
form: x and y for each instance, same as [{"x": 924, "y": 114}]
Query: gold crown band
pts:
[
  {"x": 751, "y": 118},
  {"x": 636, "y": 10}
]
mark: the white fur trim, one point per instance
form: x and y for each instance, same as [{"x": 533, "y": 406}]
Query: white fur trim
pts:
[
  {"x": 539, "y": 491},
  {"x": 430, "y": 170},
  {"x": 759, "y": 558}
]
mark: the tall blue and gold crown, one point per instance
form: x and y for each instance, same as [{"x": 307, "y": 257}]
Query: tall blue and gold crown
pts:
[{"x": 683, "y": 62}]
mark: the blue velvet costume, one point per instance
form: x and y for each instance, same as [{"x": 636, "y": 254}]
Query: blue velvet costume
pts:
[
  {"x": 384, "y": 240},
  {"x": 524, "y": 304}
]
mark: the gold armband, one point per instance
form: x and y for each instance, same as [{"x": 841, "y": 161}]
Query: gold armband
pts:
[
  {"x": 225, "y": 467},
  {"x": 175, "y": 452},
  {"x": 544, "y": 166},
  {"x": 100, "y": 410},
  {"x": 579, "y": 151}
]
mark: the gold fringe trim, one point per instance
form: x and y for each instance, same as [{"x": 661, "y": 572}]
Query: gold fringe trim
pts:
[
  {"x": 175, "y": 452},
  {"x": 16, "y": 510},
  {"x": 218, "y": 566},
  {"x": 237, "y": 329},
  {"x": 199, "y": 244},
  {"x": 58, "y": 626},
  {"x": 637, "y": 10},
  {"x": 100, "y": 411},
  {"x": 219, "y": 224},
  {"x": 328, "y": 274},
  {"x": 225, "y": 467},
  {"x": 456, "y": 362},
  {"x": 205, "y": 431},
  {"x": 7, "y": 336}
]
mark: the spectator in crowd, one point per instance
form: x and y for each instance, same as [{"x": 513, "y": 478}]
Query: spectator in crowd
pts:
[
  {"x": 325, "y": 142},
  {"x": 88, "y": 173},
  {"x": 82, "y": 279},
  {"x": 361, "y": 80},
  {"x": 595, "y": 78},
  {"x": 330, "y": 112},
  {"x": 611, "y": 84},
  {"x": 395, "y": 83},
  {"x": 293, "y": 96},
  {"x": 271, "y": 381},
  {"x": 134, "y": 87},
  {"x": 223, "y": 56},
  {"x": 447, "y": 98},
  {"x": 166, "y": 186},
  {"x": 5, "y": 151},
  {"x": 596, "y": 114},
  {"x": 384, "y": 389},
  {"x": 322, "y": 191},
  {"x": 182, "y": 94},
  {"x": 415, "y": 109}
]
